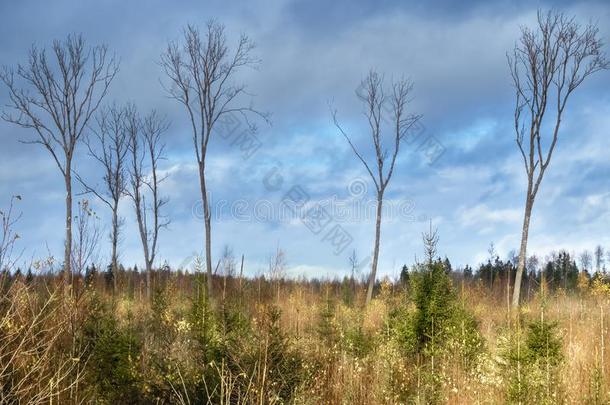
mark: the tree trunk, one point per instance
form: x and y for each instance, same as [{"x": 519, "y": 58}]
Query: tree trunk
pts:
[
  {"x": 148, "y": 263},
  {"x": 144, "y": 238},
  {"x": 68, "y": 245},
  {"x": 373, "y": 275},
  {"x": 529, "y": 203},
  {"x": 208, "y": 227},
  {"x": 148, "y": 280},
  {"x": 115, "y": 237},
  {"x": 241, "y": 275}
]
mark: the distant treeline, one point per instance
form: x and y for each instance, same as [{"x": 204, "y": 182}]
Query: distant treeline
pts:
[{"x": 559, "y": 271}]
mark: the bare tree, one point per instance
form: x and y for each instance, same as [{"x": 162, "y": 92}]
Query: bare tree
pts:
[
  {"x": 228, "y": 262},
  {"x": 8, "y": 236},
  {"x": 86, "y": 238},
  {"x": 201, "y": 71},
  {"x": 381, "y": 108},
  {"x": 229, "y": 265},
  {"x": 513, "y": 257},
  {"x": 532, "y": 267},
  {"x": 146, "y": 150},
  {"x": 599, "y": 258},
  {"x": 547, "y": 65},
  {"x": 109, "y": 148},
  {"x": 57, "y": 99},
  {"x": 277, "y": 269},
  {"x": 585, "y": 260},
  {"x": 353, "y": 263}
]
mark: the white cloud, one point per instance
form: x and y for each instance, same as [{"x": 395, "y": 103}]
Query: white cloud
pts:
[{"x": 483, "y": 215}]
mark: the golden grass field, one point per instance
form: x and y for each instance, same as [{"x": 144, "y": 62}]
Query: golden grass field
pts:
[{"x": 347, "y": 354}]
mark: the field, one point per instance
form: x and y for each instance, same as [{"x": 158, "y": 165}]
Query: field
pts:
[{"x": 437, "y": 337}]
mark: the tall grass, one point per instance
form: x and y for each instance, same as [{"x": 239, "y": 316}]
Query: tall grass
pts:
[{"x": 446, "y": 340}]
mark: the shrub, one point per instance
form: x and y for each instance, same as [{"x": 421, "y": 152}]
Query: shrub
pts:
[
  {"x": 35, "y": 366},
  {"x": 327, "y": 326},
  {"x": 433, "y": 320},
  {"x": 532, "y": 359},
  {"x": 206, "y": 338},
  {"x": 356, "y": 342},
  {"x": 282, "y": 366},
  {"x": 114, "y": 359},
  {"x": 431, "y": 327}
]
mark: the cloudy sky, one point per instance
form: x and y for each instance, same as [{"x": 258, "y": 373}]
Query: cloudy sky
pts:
[{"x": 314, "y": 54}]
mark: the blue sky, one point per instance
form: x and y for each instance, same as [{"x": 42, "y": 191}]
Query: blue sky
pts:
[{"x": 314, "y": 53}]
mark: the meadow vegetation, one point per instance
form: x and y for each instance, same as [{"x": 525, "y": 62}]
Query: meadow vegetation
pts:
[{"x": 434, "y": 335}]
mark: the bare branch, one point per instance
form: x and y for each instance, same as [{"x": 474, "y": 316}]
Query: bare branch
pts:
[
  {"x": 546, "y": 66},
  {"x": 201, "y": 70},
  {"x": 146, "y": 150},
  {"x": 385, "y": 111},
  {"x": 56, "y": 96}
]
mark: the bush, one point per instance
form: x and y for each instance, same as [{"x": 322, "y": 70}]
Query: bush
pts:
[
  {"x": 283, "y": 365},
  {"x": 39, "y": 361},
  {"x": 114, "y": 359},
  {"x": 433, "y": 321},
  {"x": 356, "y": 341},
  {"x": 327, "y": 326},
  {"x": 532, "y": 360},
  {"x": 431, "y": 327},
  {"x": 207, "y": 344}
]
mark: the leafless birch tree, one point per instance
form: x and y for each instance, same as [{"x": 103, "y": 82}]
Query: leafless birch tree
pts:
[
  {"x": 8, "y": 235},
  {"x": 56, "y": 96},
  {"x": 201, "y": 71},
  {"x": 109, "y": 148},
  {"x": 599, "y": 258},
  {"x": 277, "y": 269},
  {"x": 87, "y": 237},
  {"x": 547, "y": 65},
  {"x": 384, "y": 112},
  {"x": 585, "y": 260},
  {"x": 146, "y": 150}
]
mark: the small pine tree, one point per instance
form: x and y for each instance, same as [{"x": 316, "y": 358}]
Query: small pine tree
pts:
[
  {"x": 90, "y": 275},
  {"x": 204, "y": 323},
  {"x": 29, "y": 277},
  {"x": 114, "y": 359},
  {"x": 532, "y": 358},
  {"x": 284, "y": 366},
  {"x": 347, "y": 291},
  {"x": 109, "y": 277},
  {"x": 404, "y": 276},
  {"x": 327, "y": 329},
  {"x": 468, "y": 272},
  {"x": 433, "y": 324}
]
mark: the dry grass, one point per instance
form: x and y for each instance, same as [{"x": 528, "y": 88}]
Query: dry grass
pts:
[{"x": 42, "y": 360}]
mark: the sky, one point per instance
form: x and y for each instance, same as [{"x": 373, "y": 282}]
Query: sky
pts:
[{"x": 462, "y": 172}]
